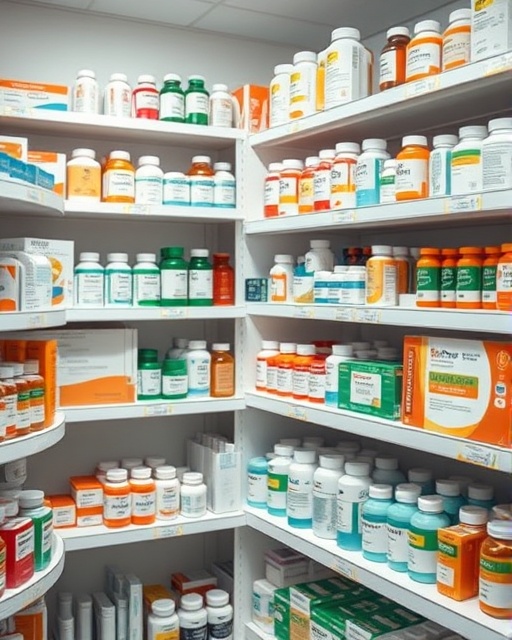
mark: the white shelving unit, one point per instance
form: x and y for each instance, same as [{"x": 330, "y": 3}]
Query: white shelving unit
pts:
[
  {"x": 124, "y": 212},
  {"x": 154, "y": 313},
  {"x": 21, "y": 199},
  {"x": 34, "y": 442},
  {"x": 23, "y": 320}
]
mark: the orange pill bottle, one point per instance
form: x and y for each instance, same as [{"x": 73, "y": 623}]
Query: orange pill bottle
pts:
[
  {"x": 269, "y": 350},
  {"x": 449, "y": 259},
  {"x": 393, "y": 58},
  {"x": 223, "y": 280},
  {"x": 22, "y": 401},
  {"x": 284, "y": 361},
  {"x": 119, "y": 178},
  {"x": 489, "y": 272},
  {"x": 143, "y": 495},
  {"x": 469, "y": 279},
  {"x": 424, "y": 51},
  {"x": 504, "y": 279},
  {"x": 306, "y": 185},
  {"x": 411, "y": 181},
  {"x": 37, "y": 393},
  {"x": 301, "y": 365},
  {"x": 496, "y": 570},
  {"x": 117, "y": 506},
  {"x": 428, "y": 278},
  {"x": 10, "y": 399},
  {"x": 222, "y": 383}
]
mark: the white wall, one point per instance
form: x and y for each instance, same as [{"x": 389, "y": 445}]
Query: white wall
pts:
[{"x": 51, "y": 45}]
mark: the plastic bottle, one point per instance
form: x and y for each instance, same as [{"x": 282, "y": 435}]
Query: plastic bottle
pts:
[
  {"x": 37, "y": 390},
  {"x": 153, "y": 462},
  {"x": 199, "y": 369},
  {"x": 118, "y": 281},
  {"x": 303, "y": 85},
  {"x": 353, "y": 490},
  {"x": 299, "y": 501},
  {"x": 504, "y": 279},
  {"x": 31, "y": 503},
  {"x": 271, "y": 190},
  {"x": 457, "y": 40},
  {"x": 220, "y": 615},
  {"x": 469, "y": 279},
  {"x": 143, "y": 495},
  {"x": 119, "y": 178},
  {"x": 497, "y": 155},
  {"x": 86, "y": 94},
  {"x": 401, "y": 258},
  {"x": 423, "y": 541},
  {"x": 145, "y": 98},
  {"x": 10, "y": 399},
  {"x": 340, "y": 353},
  {"x": 223, "y": 280},
  {"x": 193, "y": 495},
  {"x": 387, "y": 471},
  {"x": 449, "y": 259},
  {"x": 146, "y": 281},
  {"x": 300, "y": 374},
  {"x": 398, "y": 519},
  {"x": 178, "y": 350},
  {"x": 149, "y": 375},
  {"x": 489, "y": 272},
  {"x": 317, "y": 376},
  {"x": 368, "y": 170},
  {"x": 428, "y": 278},
  {"x": 289, "y": 187},
  {"x": 197, "y": 101},
  {"x": 466, "y": 161},
  {"x": 306, "y": 185},
  {"x": 17, "y": 534},
  {"x": 269, "y": 349},
  {"x": 200, "y": 279},
  {"x": 322, "y": 180},
  {"x": 281, "y": 279},
  {"x": 117, "y": 98},
  {"x": 149, "y": 181},
  {"x": 193, "y": 617},
  {"x": 423, "y": 478},
  {"x": 449, "y": 490},
  {"x": 224, "y": 188},
  {"x": 412, "y": 169},
  {"x": 172, "y": 99},
  {"x": 174, "y": 379},
  {"x": 353, "y": 290},
  {"x": 381, "y": 278},
  {"x": 343, "y": 185},
  {"x": 221, "y": 107},
  {"x": 202, "y": 183},
  {"x": 325, "y": 494},
  {"x": 116, "y": 499},
  {"x": 344, "y": 61},
  {"x": 424, "y": 51},
  {"x": 83, "y": 177},
  {"x": 439, "y": 172},
  {"x": 277, "y": 479},
  {"x": 319, "y": 257},
  {"x": 496, "y": 570},
  {"x": 373, "y": 520},
  {"x": 176, "y": 189},
  {"x": 163, "y": 621},
  {"x": 272, "y": 375},
  {"x": 481, "y": 495},
  {"x": 167, "y": 488},
  {"x": 257, "y": 482},
  {"x": 173, "y": 278},
  {"x": 388, "y": 181},
  {"x": 284, "y": 362},
  {"x": 89, "y": 281},
  {"x": 223, "y": 371},
  {"x": 393, "y": 58},
  {"x": 279, "y": 94}
]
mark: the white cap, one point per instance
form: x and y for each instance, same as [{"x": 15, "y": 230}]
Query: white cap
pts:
[
  {"x": 427, "y": 25},
  {"x": 288, "y": 347},
  {"x": 382, "y": 249},
  {"x": 269, "y": 345},
  {"x": 449, "y": 488},
  {"x": 31, "y": 499},
  {"x": 473, "y": 515},
  {"x": 398, "y": 31},
  {"x": 220, "y": 346},
  {"x": 304, "y": 56},
  {"x": 332, "y": 461},
  {"x": 86, "y": 73},
  {"x": 342, "y": 350},
  {"x": 119, "y": 155},
  {"x": 407, "y": 492},
  {"x": 305, "y": 349},
  {"x": 146, "y": 78},
  {"x": 348, "y": 147},
  {"x": 10, "y": 506},
  {"x": 199, "y": 253},
  {"x": 283, "y": 450},
  {"x": 195, "y": 345},
  {"x": 311, "y": 161},
  {"x": 480, "y": 491},
  {"x": 83, "y": 153},
  {"x": 117, "y": 475},
  {"x": 146, "y": 257},
  {"x": 501, "y": 529},
  {"x": 163, "y": 607},
  {"x": 31, "y": 367},
  {"x": 327, "y": 154},
  {"x": 500, "y": 123},
  {"x": 447, "y": 139},
  {"x": 201, "y": 159},
  {"x": 217, "y": 598},
  {"x": 345, "y": 32},
  {"x": 431, "y": 504},
  {"x": 473, "y": 131},
  {"x": 220, "y": 87},
  {"x": 381, "y": 491},
  {"x": 389, "y": 463},
  {"x": 460, "y": 14},
  {"x": 291, "y": 163},
  {"x": 375, "y": 143},
  {"x": 357, "y": 346},
  {"x": 166, "y": 472},
  {"x": 420, "y": 141},
  {"x": 191, "y": 601},
  {"x": 283, "y": 257},
  {"x": 304, "y": 456},
  {"x": 275, "y": 166},
  {"x": 130, "y": 463},
  {"x": 222, "y": 166},
  {"x": 397, "y": 251},
  {"x": 17, "y": 368},
  {"x": 141, "y": 473},
  {"x": 419, "y": 475},
  {"x": 192, "y": 477},
  {"x": 117, "y": 257},
  {"x": 357, "y": 468},
  {"x": 172, "y": 77},
  {"x": 283, "y": 68},
  {"x": 106, "y": 465},
  {"x": 89, "y": 256},
  {"x": 118, "y": 77},
  {"x": 320, "y": 244},
  {"x": 151, "y": 160}
]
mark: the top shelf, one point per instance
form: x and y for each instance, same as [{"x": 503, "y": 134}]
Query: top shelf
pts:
[
  {"x": 453, "y": 96},
  {"x": 79, "y": 125}
]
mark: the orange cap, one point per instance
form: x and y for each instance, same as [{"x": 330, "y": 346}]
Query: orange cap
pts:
[
  {"x": 449, "y": 252},
  {"x": 506, "y": 247},
  {"x": 429, "y": 251},
  {"x": 492, "y": 250},
  {"x": 474, "y": 251}
]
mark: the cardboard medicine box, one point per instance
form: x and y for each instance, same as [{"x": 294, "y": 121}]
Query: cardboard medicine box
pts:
[
  {"x": 51, "y": 163},
  {"x": 18, "y": 97},
  {"x": 491, "y": 28},
  {"x": 251, "y": 107}
]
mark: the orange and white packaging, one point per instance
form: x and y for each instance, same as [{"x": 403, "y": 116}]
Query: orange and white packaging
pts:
[
  {"x": 18, "y": 97},
  {"x": 14, "y": 147},
  {"x": 461, "y": 388},
  {"x": 87, "y": 493},
  {"x": 251, "y": 107},
  {"x": 491, "y": 28},
  {"x": 424, "y": 51},
  {"x": 64, "y": 511},
  {"x": 54, "y": 163},
  {"x": 12, "y": 278},
  {"x": 200, "y": 581},
  {"x": 35, "y": 276},
  {"x": 152, "y": 592},
  {"x": 32, "y": 622}
]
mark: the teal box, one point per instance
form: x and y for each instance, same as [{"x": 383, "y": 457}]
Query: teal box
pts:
[
  {"x": 16, "y": 169},
  {"x": 31, "y": 174},
  {"x": 5, "y": 165},
  {"x": 256, "y": 290},
  {"x": 44, "y": 179}
]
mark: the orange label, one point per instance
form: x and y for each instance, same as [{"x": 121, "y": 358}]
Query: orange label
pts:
[{"x": 84, "y": 181}]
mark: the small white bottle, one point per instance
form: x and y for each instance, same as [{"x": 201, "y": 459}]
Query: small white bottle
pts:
[
  {"x": 299, "y": 503},
  {"x": 86, "y": 95},
  {"x": 224, "y": 188},
  {"x": 387, "y": 471},
  {"x": 83, "y": 175},
  {"x": 269, "y": 349},
  {"x": 89, "y": 281},
  {"x": 325, "y": 494},
  {"x": 497, "y": 155},
  {"x": 118, "y": 281},
  {"x": 368, "y": 169},
  {"x": 277, "y": 473},
  {"x": 279, "y": 94},
  {"x": 163, "y": 622},
  {"x": 388, "y": 181},
  {"x": 149, "y": 181},
  {"x": 281, "y": 279},
  {"x": 319, "y": 257},
  {"x": 178, "y": 350},
  {"x": 176, "y": 189},
  {"x": 466, "y": 160},
  {"x": 221, "y": 107},
  {"x": 440, "y": 165},
  {"x": 303, "y": 84},
  {"x": 153, "y": 462},
  {"x": 340, "y": 353},
  {"x": 193, "y": 495},
  {"x": 220, "y": 615},
  {"x": 167, "y": 493},
  {"x": 146, "y": 281},
  {"x": 193, "y": 617},
  {"x": 352, "y": 493},
  {"x": 104, "y": 466},
  {"x": 117, "y": 98},
  {"x": 198, "y": 367}
]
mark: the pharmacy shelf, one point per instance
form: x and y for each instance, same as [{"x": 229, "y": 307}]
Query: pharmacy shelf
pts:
[
  {"x": 253, "y": 632},
  {"x": 154, "y": 313},
  {"x": 22, "y": 320},
  {"x": 492, "y": 207},
  {"x": 108, "y": 211},
  {"x": 21, "y": 199},
  {"x": 447, "y": 319},
  {"x": 77, "y": 539},
  {"x": 14, "y": 600},
  {"x": 34, "y": 442},
  {"x": 462, "y": 617},
  {"x": 394, "y": 432},
  {"x": 453, "y": 96},
  {"x": 150, "y": 132},
  {"x": 152, "y": 409}
]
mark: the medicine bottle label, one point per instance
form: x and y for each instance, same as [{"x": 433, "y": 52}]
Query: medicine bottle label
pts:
[
  {"x": 387, "y": 189},
  {"x": 198, "y": 375},
  {"x": 174, "y": 385},
  {"x": 86, "y": 96},
  {"x": 119, "y": 183},
  {"x": 489, "y": 284},
  {"x": 306, "y": 194},
  {"x": 497, "y": 166},
  {"x": 277, "y": 485},
  {"x": 423, "y": 547},
  {"x": 412, "y": 177},
  {"x": 349, "y": 517},
  {"x": 504, "y": 278},
  {"x": 428, "y": 284},
  {"x": 201, "y": 192},
  {"x": 24, "y": 545},
  {"x": 456, "y": 49},
  {"x": 424, "y": 59},
  {"x": 368, "y": 181},
  {"x": 23, "y": 410},
  {"x": 46, "y": 539},
  {"x": 375, "y": 536},
  {"x": 143, "y": 504},
  {"x": 166, "y": 632},
  {"x": 398, "y": 544},
  {"x": 224, "y": 193},
  {"x": 448, "y": 284},
  {"x": 177, "y": 191},
  {"x": 271, "y": 377},
  {"x": 84, "y": 182},
  {"x": 440, "y": 174},
  {"x": 89, "y": 288},
  {"x": 3, "y": 575},
  {"x": 148, "y": 190},
  {"x": 288, "y": 195},
  {"x": 343, "y": 186},
  {"x": 261, "y": 374},
  {"x": 146, "y": 286},
  {"x": 342, "y": 77},
  {"x": 222, "y": 629},
  {"x": 174, "y": 284},
  {"x": 257, "y": 487},
  {"x": 146, "y": 99},
  {"x": 148, "y": 382},
  {"x": 116, "y": 507},
  {"x": 466, "y": 171},
  {"x": 279, "y": 103},
  {"x": 300, "y": 497},
  {"x": 301, "y": 93},
  {"x": 271, "y": 195},
  {"x": 284, "y": 380},
  {"x": 324, "y": 514},
  {"x": 193, "y": 504},
  {"x": 118, "y": 103},
  {"x": 221, "y": 112},
  {"x": 316, "y": 385},
  {"x": 469, "y": 284},
  {"x": 381, "y": 282},
  {"x": 118, "y": 287},
  {"x": 168, "y": 501},
  {"x": 200, "y": 286},
  {"x": 303, "y": 287},
  {"x": 496, "y": 582},
  {"x": 300, "y": 383},
  {"x": 388, "y": 67},
  {"x": 197, "y": 103},
  {"x": 322, "y": 187},
  {"x": 172, "y": 105},
  {"x": 278, "y": 287},
  {"x": 224, "y": 378}
]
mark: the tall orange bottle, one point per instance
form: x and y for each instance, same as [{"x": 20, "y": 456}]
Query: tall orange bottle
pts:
[
  {"x": 117, "y": 506},
  {"x": 222, "y": 383},
  {"x": 202, "y": 183},
  {"x": 428, "y": 278},
  {"x": 412, "y": 169},
  {"x": 504, "y": 279},
  {"x": 284, "y": 361},
  {"x": 143, "y": 494},
  {"x": 37, "y": 392},
  {"x": 306, "y": 185},
  {"x": 469, "y": 279},
  {"x": 489, "y": 271},
  {"x": 23, "y": 400},
  {"x": 119, "y": 178},
  {"x": 496, "y": 570},
  {"x": 393, "y": 58},
  {"x": 449, "y": 259},
  {"x": 301, "y": 365}
]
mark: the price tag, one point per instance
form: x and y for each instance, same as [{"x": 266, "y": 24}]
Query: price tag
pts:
[
  {"x": 368, "y": 316},
  {"x": 344, "y": 216},
  {"x": 295, "y": 126},
  {"x": 499, "y": 64},
  {"x": 168, "y": 532},
  {"x": 303, "y": 312},
  {"x": 158, "y": 410},
  {"x": 460, "y": 204},
  {"x": 476, "y": 454},
  {"x": 173, "y": 312},
  {"x": 34, "y": 196},
  {"x": 345, "y": 569},
  {"x": 37, "y": 320},
  {"x": 420, "y": 87},
  {"x": 344, "y": 315},
  {"x": 298, "y": 413}
]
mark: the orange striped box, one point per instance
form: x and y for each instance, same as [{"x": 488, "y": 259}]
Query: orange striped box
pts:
[
  {"x": 14, "y": 147},
  {"x": 251, "y": 107},
  {"x": 21, "y": 98}
]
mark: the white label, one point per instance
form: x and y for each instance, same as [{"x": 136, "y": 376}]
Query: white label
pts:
[
  {"x": 149, "y": 190},
  {"x": 365, "y": 388},
  {"x": 144, "y": 504},
  {"x": 504, "y": 278},
  {"x": 201, "y": 191},
  {"x": 145, "y": 99},
  {"x": 497, "y": 166},
  {"x": 303, "y": 91},
  {"x": 331, "y": 376},
  {"x": 456, "y": 49},
  {"x": 221, "y": 112},
  {"x": 284, "y": 380},
  {"x": 257, "y": 487},
  {"x": 467, "y": 172},
  {"x": 261, "y": 374},
  {"x": 174, "y": 284},
  {"x": 174, "y": 385},
  {"x": 15, "y": 471},
  {"x": 172, "y": 105},
  {"x": 324, "y": 514},
  {"x": 47, "y": 535},
  {"x": 440, "y": 162},
  {"x": 412, "y": 175},
  {"x": 288, "y": 196},
  {"x": 367, "y": 176},
  {"x": 118, "y": 287},
  {"x": 316, "y": 385},
  {"x": 167, "y": 501},
  {"x": 120, "y": 182},
  {"x": 445, "y": 575},
  {"x": 349, "y": 516},
  {"x": 300, "y": 497},
  {"x": 342, "y": 74},
  {"x": 271, "y": 194},
  {"x": 322, "y": 186},
  {"x": 89, "y": 289},
  {"x": 271, "y": 377},
  {"x": 422, "y": 561},
  {"x": 198, "y": 374},
  {"x": 24, "y": 545},
  {"x": 279, "y": 102},
  {"x": 200, "y": 284},
  {"x": 116, "y": 507},
  {"x": 375, "y": 536},
  {"x": 149, "y": 382},
  {"x": 343, "y": 186},
  {"x": 300, "y": 383},
  {"x": 193, "y": 505},
  {"x": 496, "y": 595},
  {"x": 117, "y": 102},
  {"x": 197, "y": 103},
  {"x": 63, "y": 517},
  {"x": 86, "y": 96},
  {"x": 423, "y": 59},
  {"x": 388, "y": 67},
  {"x": 146, "y": 287},
  {"x": 398, "y": 544},
  {"x": 176, "y": 191},
  {"x": 224, "y": 193}
]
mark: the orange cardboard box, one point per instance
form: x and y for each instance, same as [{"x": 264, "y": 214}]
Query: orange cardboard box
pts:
[
  {"x": 64, "y": 511},
  {"x": 460, "y": 388},
  {"x": 253, "y": 107}
]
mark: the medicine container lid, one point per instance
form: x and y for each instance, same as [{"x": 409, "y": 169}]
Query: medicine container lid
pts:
[
  {"x": 31, "y": 498},
  {"x": 448, "y": 488},
  {"x": 381, "y": 249},
  {"x": 220, "y": 87},
  {"x": 389, "y": 463},
  {"x": 381, "y": 491},
  {"x": 283, "y": 68},
  {"x": 500, "y": 123},
  {"x": 304, "y": 456},
  {"x": 398, "y": 31},
  {"x": 327, "y": 154},
  {"x": 106, "y": 465},
  {"x": 10, "y": 506},
  {"x": 473, "y": 515},
  {"x": 345, "y": 32},
  {"x": 89, "y": 256},
  {"x": 292, "y": 163},
  {"x": 146, "y": 257},
  {"x": 417, "y": 141},
  {"x": 332, "y": 461},
  {"x": 431, "y": 504},
  {"x": 154, "y": 461},
  {"x": 283, "y": 450},
  {"x": 374, "y": 143},
  {"x": 117, "y": 475},
  {"x": 320, "y": 244},
  {"x": 152, "y": 160},
  {"x": 140, "y": 473},
  {"x": 398, "y": 251},
  {"x": 305, "y": 349},
  {"x": 192, "y": 478},
  {"x": 122, "y": 77},
  {"x": 83, "y": 153},
  {"x": 304, "y": 56},
  {"x": 275, "y": 166},
  {"x": 31, "y": 367},
  {"x": 217, "y": 598},
  {"x": 117, "y": 257},
  {"x": 502, "y": 512},
  {"x": 407, "y": 492},
  {"x": 342, "y": 350},
  {"x": 288, "y": 347},
  {"x": 146, "y": 79},
  {"x": 501, "y": 529},
  {"x": 269, "y": 345},
  {"x": 473, "y": 131},
  {"x": 459, "y": 14},
  {"x": 17, "y": 368},
  {"x": 281, "y": 257},
  {"x": 86, "y": 73},
  {"x": 163, "y": 607},
  {"x": 6, "y": 372},
  {"x": 445, "y": 139},
  {"x": 195, "y": 345},
  {"x": 480, "y": 491},
  {"x": 118, "y": 154},
  {"x": 165, "y": 472},
  {"x": 174, "y": 174},
  {"x": 222, "y": 166},
  {"x": 172, "y": 77},
  {"x": 191, "y": 602},
  {"x": 311, "y": 161},
  {"x": 199, "y": 253},
  {"x": 220, "y": 346},
  {"x": 359, "y": 469},
  {"x": 201, "y": 160},
  {"x": 348, "y": 147},
  {"x": 420, "y": 475},
  {"x": 427, "y": 25}
]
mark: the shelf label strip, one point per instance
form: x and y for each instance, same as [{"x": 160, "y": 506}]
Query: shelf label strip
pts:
[
  {"x": 158, "y": 410},
  {"x": 345, "y": 569},
  {"x": 168, "y": 532},
  {"x": 478, "y": 455}
]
